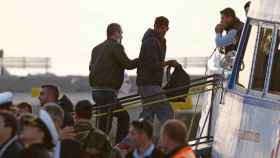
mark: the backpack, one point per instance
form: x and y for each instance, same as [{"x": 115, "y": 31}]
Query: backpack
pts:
[{"x": 178, "y": 78}]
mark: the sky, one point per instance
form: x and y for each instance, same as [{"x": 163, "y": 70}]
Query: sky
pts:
[{"x": 67, "y": 30}]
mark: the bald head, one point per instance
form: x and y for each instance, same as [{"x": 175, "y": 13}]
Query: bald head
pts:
[{"x": 176, "y": 130}]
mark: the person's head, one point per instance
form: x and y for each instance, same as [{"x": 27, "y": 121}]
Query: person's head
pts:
[
  {"x": 34, "y": 131},
  {"x": 140, "y": 132},
  {"x": 228, "y": 17},
  {"x": 23, "y": 108},
  {"x": 173, "y": 134},
  {"x": 8, "y": 126},
  {"x": 83, "y": 110},
  {"x": 56, "y": 113},
  {"x": 114, "y": 31},
  {"x": 161, "y": 25},
  {"x": 247, "y": 6},
  {"x": 49, "y": 93}
]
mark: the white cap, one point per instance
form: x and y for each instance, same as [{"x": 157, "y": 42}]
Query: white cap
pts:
[
  {"x": 46, "y": 119},
  {"x": 6, "y": 97}
]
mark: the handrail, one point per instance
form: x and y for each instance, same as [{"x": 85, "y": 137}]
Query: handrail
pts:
[
  {"x": 136, "y": 97},
  {"x": 192, "y": 61},
  {"x": 205, "y": 137},
  {"x": 132, "y": 105},
  {"x": 204, "y": 142}
]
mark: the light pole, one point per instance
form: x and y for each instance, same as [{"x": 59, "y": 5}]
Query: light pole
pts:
[{"x": 1, "y": 62}]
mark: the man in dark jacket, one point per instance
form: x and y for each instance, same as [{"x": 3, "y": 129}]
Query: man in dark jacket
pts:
[
  {"x": 233, "y": 27},
  {"x": 50, "y": 94},
  {"x": 150, "y": 71},
  {"x": 9, "y": 145},
  {"x": 107, "y": 65}
]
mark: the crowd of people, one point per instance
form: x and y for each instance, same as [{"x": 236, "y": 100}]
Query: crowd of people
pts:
[
  {"x": 60, "y": 129},
  {"x": 25, "y": 133}
]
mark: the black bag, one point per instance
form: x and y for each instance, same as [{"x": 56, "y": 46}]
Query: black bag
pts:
[{"x": 178, "y": 78}]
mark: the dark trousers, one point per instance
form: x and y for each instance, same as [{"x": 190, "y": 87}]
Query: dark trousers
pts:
[{"x": 104, "y": 123}]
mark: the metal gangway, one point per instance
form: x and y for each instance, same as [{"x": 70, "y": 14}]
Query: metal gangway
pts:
[
  {"x": 196, "y": 66},
  {"x": 202, "y": 145},
  {"x": 192, "y": 62}
]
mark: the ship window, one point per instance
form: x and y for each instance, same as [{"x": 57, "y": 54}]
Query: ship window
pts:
[
  {"x": 274, "y": 86},
  {"x": 264, "y": 45},
  {"x": 244, "y": 74},
  {"x": 260, "y": 64}
]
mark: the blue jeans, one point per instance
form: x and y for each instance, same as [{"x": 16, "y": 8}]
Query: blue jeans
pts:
[
  {"x": 104, "y": 123},
  {"x": 162, "y": 110}
]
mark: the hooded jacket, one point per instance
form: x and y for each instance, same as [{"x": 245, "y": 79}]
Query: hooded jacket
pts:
[{"x": 151, "y": 58}]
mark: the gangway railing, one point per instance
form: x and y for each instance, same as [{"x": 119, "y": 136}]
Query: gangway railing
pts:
[
  {"x": 210, "y": 83},
  {"x": 211, "y": 80},
  {"x": 192, "y": 62},
  {"x": 134, "y": 101}
]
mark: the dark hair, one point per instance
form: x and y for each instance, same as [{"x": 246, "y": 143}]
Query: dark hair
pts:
[
  {"x": 83, "y": 109},
  {"x": 65, "y": 103},
  {"x": 31, "y": 120},
  {"x": 175, "y": 130},
  {"x": 228, "y": 12},
  {"x": 53, "y": 89},
  {"x": 25, "y": 105},
  {"x": 160, "y": 21},
  {"x": 55, "y": 112},
  {"x": 143, "y": 126},
  {"x": 112, "y": 28},
  {"x": 10, "y": 121},
  {"x": 247, "y": 5}
]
